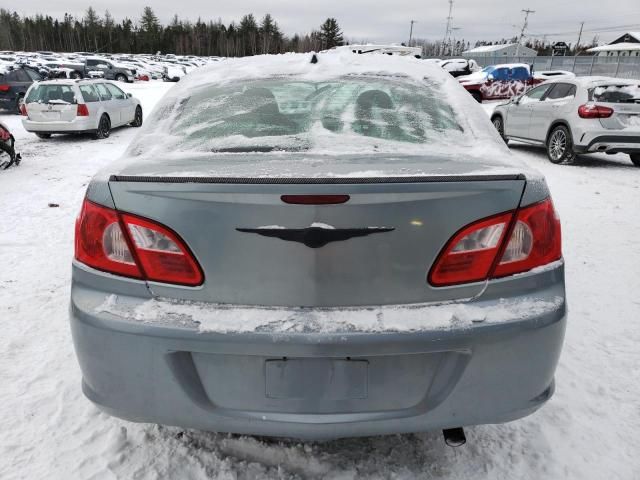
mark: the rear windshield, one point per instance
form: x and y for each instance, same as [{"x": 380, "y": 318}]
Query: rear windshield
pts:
[
  {"x": 294, "y": 115},
  {"x": 51, "y": 94},
  {"x": 616, "y": 93}
]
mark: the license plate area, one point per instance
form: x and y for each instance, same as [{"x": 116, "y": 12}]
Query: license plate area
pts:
[{"x": 316, "y": 379}]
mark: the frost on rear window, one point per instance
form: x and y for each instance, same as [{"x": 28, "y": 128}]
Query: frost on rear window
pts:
[
  {"x": 55, "y": 94},
  {"x": 616, "y": 93},
  {"x": 281, "y": 114}
]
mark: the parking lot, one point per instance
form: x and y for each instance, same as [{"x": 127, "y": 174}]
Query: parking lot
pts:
[{"x": 51, "y": 431}]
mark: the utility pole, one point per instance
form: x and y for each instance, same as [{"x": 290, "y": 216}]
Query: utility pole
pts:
[
  {"x": 411, "y": 31},
  {"x": 447, "y": 33},
  {"x": 524, "y": 27},
  {"x": 579, "y": 37}
]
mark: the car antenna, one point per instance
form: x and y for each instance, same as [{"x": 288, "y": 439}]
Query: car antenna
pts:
[{"x": 314, "y": 59}]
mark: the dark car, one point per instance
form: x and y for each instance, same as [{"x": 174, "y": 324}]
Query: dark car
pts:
[{"x": 14, "y": 83}]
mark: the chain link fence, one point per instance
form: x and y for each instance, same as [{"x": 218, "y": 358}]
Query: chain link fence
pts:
[{"x": 618, "y": 66}]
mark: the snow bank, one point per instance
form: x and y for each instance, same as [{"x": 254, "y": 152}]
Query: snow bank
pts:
[{"x": 394, "y": 318}]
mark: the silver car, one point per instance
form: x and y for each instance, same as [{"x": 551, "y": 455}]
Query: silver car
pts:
[
  {"x": 78, "y": 106},
  {"x": 316, "y": 250},
  {"x": 575, "y": 115}
]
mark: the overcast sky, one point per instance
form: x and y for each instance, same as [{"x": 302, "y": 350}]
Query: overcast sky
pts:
[{"x": 388, "y": 21}]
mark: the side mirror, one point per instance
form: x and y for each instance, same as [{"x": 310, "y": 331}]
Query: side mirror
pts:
[
  {"x": 129, "y": 95},
  {"x": 516, "y": 100},
  {"x": 491, "y": 77}
]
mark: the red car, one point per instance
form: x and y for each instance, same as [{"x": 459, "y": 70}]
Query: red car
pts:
[{"x": 499, "y": 81}]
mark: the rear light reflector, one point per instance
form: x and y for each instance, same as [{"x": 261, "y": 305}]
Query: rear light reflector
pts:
[
  {"x": 23, "y": 110},
  {"x": 132, "y": 246},
  {"x": 531, "y": 239},
  {"x": 314, "y": 199},
  {"x": 470, "y": 254},
  {"x": 4, "y": 88},
  {"x": 590, "y": 110},
  {"x": 82, "y": 111}
]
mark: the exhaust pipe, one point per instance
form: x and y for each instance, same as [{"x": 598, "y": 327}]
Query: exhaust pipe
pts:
[{"x": 454, "y": 437}]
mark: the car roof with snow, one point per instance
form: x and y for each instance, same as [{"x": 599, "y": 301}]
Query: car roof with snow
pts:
[{"x": 511, "y": 65}]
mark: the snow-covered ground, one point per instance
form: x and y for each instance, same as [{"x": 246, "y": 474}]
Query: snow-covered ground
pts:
[{"x": 49, "y": 430}]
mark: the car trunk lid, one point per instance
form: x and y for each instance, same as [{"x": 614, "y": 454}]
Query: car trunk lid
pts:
[{"x": 375, "y": 248}]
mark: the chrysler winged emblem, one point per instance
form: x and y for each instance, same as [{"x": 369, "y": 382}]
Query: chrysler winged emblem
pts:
[{"x": 314, "y": 236}]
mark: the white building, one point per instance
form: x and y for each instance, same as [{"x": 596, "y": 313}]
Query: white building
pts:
[
  {"x": 501, "y": 51},
  {"x": 627, "y": 45}
]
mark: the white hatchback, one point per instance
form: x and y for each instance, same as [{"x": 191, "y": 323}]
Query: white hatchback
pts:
[{"x": 78, "y": 106}]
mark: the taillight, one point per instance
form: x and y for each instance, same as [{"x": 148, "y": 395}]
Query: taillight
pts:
[
  {"x": 132, "y": 246},
  {"x": 4, "y": 88},
  {"x": 535, "y": 240},
  {"x": 23, "y": 109},
  {"x": 590, "y": 110},
  {"x": 82, "y": 111},
  {"x": 530, "y": 240}
]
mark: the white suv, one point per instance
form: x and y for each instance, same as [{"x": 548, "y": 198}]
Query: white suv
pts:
[
  {"x": 577, "y": 115},
  {"x": 78, "y": 106}
]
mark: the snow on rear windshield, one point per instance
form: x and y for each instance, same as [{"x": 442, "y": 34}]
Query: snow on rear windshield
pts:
[
  {"x": 616, "y": 93},
  {"x": 374, "y": 113}
]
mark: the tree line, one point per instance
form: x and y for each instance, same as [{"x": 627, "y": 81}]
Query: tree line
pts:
[{"x": 96, "y": 33}]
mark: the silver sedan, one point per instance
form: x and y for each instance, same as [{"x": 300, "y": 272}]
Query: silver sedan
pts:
[
  {"x": 316, "y": 249},
  {"x": 78, "y": 106}
]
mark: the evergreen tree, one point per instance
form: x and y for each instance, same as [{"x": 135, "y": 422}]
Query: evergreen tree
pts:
[{"x": 330, "y": 34}]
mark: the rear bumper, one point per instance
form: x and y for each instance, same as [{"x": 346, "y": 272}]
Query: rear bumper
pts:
[
  {"x": 608, "y": 143},
  {"x": 79, "y": 125},
  {"x": 316, "y": 385}
]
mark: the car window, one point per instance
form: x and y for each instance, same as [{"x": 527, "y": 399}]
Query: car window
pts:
[
  {"x": 535, "y": 94},
  {"x": 89, "y": 94},
  {"x": 501, "y": 74},
  {"x": 103, "y": 92},
  {"x": 35, "y": 76},
  {"x": 561, "y": 91},
  {"x": 616, "y": 93},
  {"x": 519, "y": 73},
  {"x": 51, "y": 94},
  {"x": 292, "y": 115},
  {"x": 116, "y": 92},
  {"x": 21, "y": 76}
]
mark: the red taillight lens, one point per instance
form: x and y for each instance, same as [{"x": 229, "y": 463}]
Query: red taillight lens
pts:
[
  {"x": 4, "y": 88},
  {"x": 128, "y": 245},
  {"x": 83, "y": 111},
  {"x": 470, "y": 254},
  {"x": 163, "y": 255},
  {"x": 100, "y": 242},
  {"x": 590, "y": 110},
  {"x": 23, "y": 110},
  {"x": 534, "y": 239}
]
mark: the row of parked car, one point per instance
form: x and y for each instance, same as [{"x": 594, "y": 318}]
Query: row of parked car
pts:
[{"x": 18, "y": 70}]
